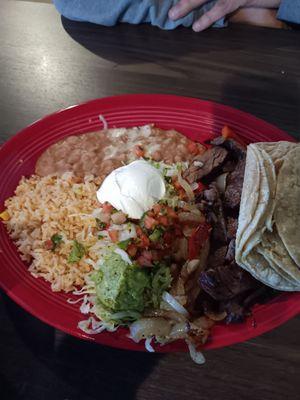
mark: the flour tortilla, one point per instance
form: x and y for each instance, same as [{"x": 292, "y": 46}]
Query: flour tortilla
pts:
[
  {"x": 275, "y": 251},
  {"x": 257, "y": 203},
  {"x": 268, "y": 241},
  {"x": 277, "y": 151},
  {"x": 287, "y": 211},
  {"x": 254, "y": 202},
  {"x": 259, "y": 267}
]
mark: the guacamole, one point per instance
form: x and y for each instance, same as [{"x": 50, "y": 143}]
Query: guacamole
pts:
[
  {"x": 124, "y": 290},
  {"x": 121, "y": 286}
]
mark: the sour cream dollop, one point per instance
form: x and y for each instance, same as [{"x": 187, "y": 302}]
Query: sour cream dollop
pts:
[{"x": 133, "y": 189}]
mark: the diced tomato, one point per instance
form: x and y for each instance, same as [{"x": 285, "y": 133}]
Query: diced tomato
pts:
[
  {"x": 139, "y": 231},
  {"x": 197, "y": 239},
  {"x": 163, "y": 253},
  {"x": 157, "y": 208},
  {"x": 168, "y": 238},
  {"x": 193, "y": 148},
  {"x": 229, "y": 133},
  {"x": 202, "y": 148},
  {"x": 139, "y": 151},
  {"x": 132, "y": 250},
  {"x": 145, "y": 241},
  {"x": 176, "y": 184},
  {"x": 107, "y": 208},
  {"x": 200, "y": 187},
  {"x": 150, "y": 222},
  {"x": 178, "y": 232},
  {"x": 144, "y": 262},
  {"x": 114, "y": 235},
  {"x": 171, "y": 213},
  {"x": 155, "y": 255},
  {"x": 145, "y": 259},
  {"x": 181, "y": 194},
  {"x": 163, "y": 220},
  {"x": 76, "y": 179},
  {"x": 48, "y": 245},
  {"x": 147, "y": 254}
]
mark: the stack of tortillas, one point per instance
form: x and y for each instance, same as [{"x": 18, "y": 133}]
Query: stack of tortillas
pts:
[{"x": 268, "y": 236}]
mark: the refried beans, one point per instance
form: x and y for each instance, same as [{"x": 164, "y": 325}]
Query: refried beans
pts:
[{"x": 99, "y": 153}]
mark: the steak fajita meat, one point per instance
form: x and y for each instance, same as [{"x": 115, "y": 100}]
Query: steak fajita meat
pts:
[
  {"x": 217, "y": 257},
  {"x": 223, "y": 280},
  {"x": 211, "y": 195},
  {"x": 229, "y": 166},
  {"x": 235, "y": 149},
  {"x": 239, "y": 307},
  {"x": 235, "y": 311},
  {"x": 226, "y": 281},
  {"x": 215, "y": 213},
  {"x": 229, "y": 257},
  {"x": 231, "y": 224},
  {"x": 205, "y": 164},
  {"x": 228, "y": 291},
  {"x": 235, "y": 179}
]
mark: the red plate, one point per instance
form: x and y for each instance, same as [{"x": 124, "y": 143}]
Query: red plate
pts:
[{"x": 196, "y": 119}]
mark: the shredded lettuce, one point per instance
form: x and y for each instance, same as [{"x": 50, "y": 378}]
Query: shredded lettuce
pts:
[
  {"x": 114, "y": 318},
  {"x": 160, "y": 281}
]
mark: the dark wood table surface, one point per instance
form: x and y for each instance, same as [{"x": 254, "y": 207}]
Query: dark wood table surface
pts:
[{"x": 47, "y": 63}]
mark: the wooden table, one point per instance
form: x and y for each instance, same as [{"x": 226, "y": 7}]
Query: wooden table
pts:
[{"x": 46, "y": 64}]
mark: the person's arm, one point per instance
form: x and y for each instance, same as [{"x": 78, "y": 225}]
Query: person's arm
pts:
[
  {"x": 221, "y": 9},
  {"x": 289, "y": 11},
  {"x": 265, "y": 17},
  {"x": 110, "y": 12}
]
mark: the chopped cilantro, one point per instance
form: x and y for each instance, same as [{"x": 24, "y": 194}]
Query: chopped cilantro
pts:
[
  {"x": 100, "y": 224},
  {"x": 56, "y": 240},
  {"x": 163, "y": 202},
  {"x": 155, "y": 235},
  {"x": 77, "y": 252},
  {"x": 124, "y": 244}
]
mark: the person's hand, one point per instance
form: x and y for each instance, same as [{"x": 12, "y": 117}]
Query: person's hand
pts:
[{"x": 220, "y": 10}]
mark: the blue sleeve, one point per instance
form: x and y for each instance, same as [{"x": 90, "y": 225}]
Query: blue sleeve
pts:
[
  {"x": 289, "y": 10},
  {"x": 110, "y": 12}
]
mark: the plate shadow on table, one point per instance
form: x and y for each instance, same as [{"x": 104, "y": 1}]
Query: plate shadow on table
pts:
[{"x": 62, "y": 366}]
